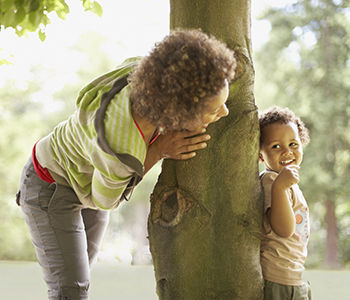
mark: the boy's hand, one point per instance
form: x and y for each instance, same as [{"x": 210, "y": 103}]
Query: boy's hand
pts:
[
  {"x": 281, "y": 215},
  {"x": 287, "y": 177}
]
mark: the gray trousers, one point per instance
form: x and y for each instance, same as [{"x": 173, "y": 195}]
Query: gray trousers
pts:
[
  {"x": 66, "y": 235},
  {"x": 276, "y": 291}
]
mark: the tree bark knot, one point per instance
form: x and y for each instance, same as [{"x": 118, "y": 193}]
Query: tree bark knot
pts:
[{"x": 170, "y": 206}]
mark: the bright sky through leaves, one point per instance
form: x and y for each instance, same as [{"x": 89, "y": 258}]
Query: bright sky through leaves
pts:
[{"x": 131, "y": 27}]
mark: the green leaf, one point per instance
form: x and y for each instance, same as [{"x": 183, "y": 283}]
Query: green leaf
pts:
[
  {"x": 97, "y": 9},
  {"x": 61, "y": 14},
  {"x": 86, "y": 4},
  {"x": 42, "y": 35},
  {"x": 3, "y": 61},
  {"x": 61, "y": 5},
  {"x": 34, "y": 5},
  {"x": 20, "y": 15},
  {"x": 8, "y": 19},
  {"x": 61, "y": 9},
  {"x": 5, "y": 6},
  {"x": 34, "y": 19},
  {"x": 19, "y": 4}
]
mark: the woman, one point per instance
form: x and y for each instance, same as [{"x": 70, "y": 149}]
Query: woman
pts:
[{"x": 126, "y": 121}]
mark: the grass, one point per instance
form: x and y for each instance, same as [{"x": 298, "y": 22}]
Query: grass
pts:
[{"x": 23, "y": 280}]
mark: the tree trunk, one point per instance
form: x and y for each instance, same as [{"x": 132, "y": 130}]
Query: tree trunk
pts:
[
  {"x": 331, "y": 255},
  {"x": 206, "y": 213}
]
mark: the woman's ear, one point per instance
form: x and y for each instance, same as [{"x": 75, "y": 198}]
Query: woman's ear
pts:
[{"x": 261, "y": 158}]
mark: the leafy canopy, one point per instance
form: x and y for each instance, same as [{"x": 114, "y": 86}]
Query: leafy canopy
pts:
[{"x": 32, "y": 15}]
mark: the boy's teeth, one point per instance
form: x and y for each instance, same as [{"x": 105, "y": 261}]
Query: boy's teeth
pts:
[{"x": 286, "y": 161}]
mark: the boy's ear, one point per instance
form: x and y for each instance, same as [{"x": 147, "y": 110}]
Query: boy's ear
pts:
[{"x": 261, "y": 158}]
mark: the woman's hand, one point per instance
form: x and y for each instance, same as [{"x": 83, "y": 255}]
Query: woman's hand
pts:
[{"x": 179, "y": 145}]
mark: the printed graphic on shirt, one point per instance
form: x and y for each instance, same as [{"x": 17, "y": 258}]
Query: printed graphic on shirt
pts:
[{"x": 302, "y": 226}]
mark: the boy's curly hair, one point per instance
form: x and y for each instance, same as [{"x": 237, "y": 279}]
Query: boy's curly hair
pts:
[
  {"x": 277, "y": 114},
  {"x": 172, "y": 84}
]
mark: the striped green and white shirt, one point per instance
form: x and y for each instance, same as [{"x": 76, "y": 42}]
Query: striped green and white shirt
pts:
[{"x": 88, "y": 160}]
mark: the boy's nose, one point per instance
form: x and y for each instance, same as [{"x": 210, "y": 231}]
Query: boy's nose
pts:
[{"x": 287, "y": 152}]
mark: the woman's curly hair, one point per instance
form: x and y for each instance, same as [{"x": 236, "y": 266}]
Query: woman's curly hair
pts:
[
  {"x": 172, "y": 84},
  {"x": 277, "y": 114}
]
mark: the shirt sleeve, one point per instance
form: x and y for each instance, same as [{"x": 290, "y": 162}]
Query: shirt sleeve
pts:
[{"x": 107, "y": 190}]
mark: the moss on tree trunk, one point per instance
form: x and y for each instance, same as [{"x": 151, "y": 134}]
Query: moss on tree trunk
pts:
[{"x": 206, "y": 213}]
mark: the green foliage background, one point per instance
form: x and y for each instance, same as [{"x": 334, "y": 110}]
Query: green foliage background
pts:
[
  {"x": 305, "y": 66},
  {"x": 28, "y": 112},
  {"x": 23, "y": 121}
]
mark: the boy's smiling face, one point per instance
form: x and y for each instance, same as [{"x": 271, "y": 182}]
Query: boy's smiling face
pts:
[{"x": 281, "y": 146}]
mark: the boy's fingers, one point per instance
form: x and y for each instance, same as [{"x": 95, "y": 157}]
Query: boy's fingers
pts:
[{"x": 295, "y": 167}]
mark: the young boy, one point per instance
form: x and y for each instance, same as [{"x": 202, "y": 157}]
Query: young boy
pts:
[{"x": 285, "y": 231}]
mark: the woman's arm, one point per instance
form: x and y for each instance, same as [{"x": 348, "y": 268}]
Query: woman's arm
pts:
[{"x": 176, "y": 145}]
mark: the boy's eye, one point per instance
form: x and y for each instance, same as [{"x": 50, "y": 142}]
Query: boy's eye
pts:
[
  {"x": 275, "y": 146},
  {"x": 293, "y": 144}
]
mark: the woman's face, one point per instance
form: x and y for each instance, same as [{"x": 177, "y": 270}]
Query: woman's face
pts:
[{"x": 215, "y": 110}]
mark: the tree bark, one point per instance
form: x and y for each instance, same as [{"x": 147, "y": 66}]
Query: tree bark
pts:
[{"x": 206, "y": 213}]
